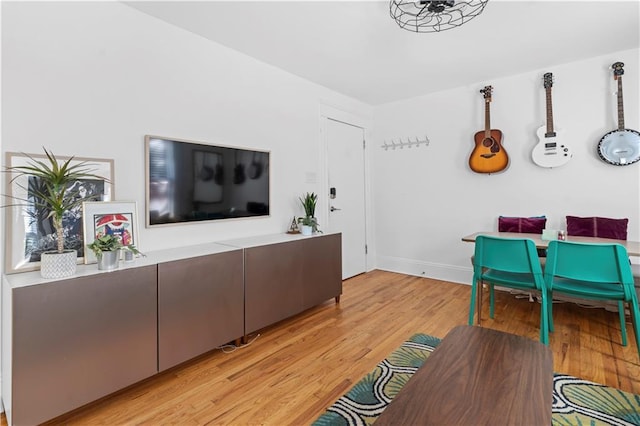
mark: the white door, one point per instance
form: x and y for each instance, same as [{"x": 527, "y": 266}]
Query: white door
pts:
[{"x": 346, "y": 181}]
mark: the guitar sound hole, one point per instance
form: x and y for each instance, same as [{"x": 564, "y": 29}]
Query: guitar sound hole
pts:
[{"x": 487, "y": 142}]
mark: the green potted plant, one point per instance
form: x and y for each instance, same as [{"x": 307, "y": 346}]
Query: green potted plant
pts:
[
  {"x": 52, "y": 196},
  {"x": 107, "y": 250},
  {"x": 309, "y": 222}
]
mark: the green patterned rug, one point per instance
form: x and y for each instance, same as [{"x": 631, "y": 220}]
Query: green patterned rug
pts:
[{"x": 575, "y": 401}]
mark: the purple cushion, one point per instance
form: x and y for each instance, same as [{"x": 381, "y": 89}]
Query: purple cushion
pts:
[
  {"x": 602, "y": 227},
  {"x": 528, "y": 225}
]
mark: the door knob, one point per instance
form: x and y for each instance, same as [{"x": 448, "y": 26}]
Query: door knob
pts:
[{"x": 333, "y": 209}]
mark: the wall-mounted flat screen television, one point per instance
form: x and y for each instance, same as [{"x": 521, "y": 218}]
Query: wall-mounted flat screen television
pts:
[{"x": 193, "y": 181}]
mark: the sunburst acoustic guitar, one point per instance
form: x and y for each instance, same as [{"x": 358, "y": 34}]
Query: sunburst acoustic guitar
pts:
[
  {"x": 488, "y": 156},
  {"x": 620, "y": 147},
  {"x": 551, "y": 150}
]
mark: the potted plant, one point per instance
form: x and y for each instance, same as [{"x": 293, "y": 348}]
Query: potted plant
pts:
[
  {"x": 107, "y": 250},
  {"x": 52, "y": 195},
  {"x": 309, "y": 221}
]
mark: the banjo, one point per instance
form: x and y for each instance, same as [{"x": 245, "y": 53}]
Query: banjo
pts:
[{"x": 620, "y": 147}]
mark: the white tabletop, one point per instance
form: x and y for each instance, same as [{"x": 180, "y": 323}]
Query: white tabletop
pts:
[{"x": 633, "y": 247}]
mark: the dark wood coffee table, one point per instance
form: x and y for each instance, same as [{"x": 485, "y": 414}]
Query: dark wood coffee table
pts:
[{"x": 478, "y": 376}]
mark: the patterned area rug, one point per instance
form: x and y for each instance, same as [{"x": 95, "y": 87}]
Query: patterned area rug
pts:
[{"x": 575, "y": 401}]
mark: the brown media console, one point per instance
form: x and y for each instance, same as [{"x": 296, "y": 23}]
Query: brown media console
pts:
[{"x": 68, "y": 342}]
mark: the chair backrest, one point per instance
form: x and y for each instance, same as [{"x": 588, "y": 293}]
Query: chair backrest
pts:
[
  {"x": 517, "y": 255},
  {"x": 597, "y": 263}
]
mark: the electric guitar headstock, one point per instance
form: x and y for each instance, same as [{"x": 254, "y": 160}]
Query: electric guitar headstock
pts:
[
  {"x": 487, "y": 93},
  {"x": 617, "y": 69},
  {"x": 548, "y": 80}
]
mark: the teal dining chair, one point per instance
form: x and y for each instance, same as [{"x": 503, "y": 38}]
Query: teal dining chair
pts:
[
  {"x": 507, "y": 262},
  {"x": 592, "y": 271}
]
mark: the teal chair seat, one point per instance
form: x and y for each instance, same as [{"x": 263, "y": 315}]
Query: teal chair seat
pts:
[
  {"x": 588, "y": 290},
  {"x": 507, "y": 262},
  {"x": 509, "y": 279},
  {"x": 593, "y": 271}
]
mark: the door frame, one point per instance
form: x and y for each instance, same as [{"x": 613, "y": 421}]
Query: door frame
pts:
[{"x": 327, "y": 112}]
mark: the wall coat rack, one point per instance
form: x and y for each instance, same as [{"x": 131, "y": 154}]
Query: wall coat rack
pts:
[{"x": 409, "y": 143}]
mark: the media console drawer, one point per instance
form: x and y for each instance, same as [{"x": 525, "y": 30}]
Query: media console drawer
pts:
[
  {"x": 284, "y": 279},
  {"x": 77, "y": 340},
  {"x": 200, "y": 306}
]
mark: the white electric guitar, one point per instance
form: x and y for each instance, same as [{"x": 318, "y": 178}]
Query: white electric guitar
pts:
[{"x": 550, "y": 151}]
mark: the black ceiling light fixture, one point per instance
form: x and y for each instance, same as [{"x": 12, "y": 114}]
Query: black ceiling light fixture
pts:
[{"x": 429, "y": 16}]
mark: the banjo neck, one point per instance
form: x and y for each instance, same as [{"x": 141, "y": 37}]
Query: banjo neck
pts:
[{"x": 620, "y": 105}]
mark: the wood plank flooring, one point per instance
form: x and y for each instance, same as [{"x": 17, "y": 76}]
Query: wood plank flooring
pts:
[{"x": 293, "y": 370}]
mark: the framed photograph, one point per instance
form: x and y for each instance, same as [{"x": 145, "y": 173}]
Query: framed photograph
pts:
[
  {"x": 116, "y": 218},
  {"x": 29, "y": 229}
]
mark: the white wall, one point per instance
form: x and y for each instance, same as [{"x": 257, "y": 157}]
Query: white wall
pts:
[
  {"x": 92, "y": 78},
  {"x": 427, "y": 198}
]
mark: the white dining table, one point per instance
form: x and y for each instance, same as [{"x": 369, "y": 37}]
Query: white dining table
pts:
[{"x": 632, "y": 247}]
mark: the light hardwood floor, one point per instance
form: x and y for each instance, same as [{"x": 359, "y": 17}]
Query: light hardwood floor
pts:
[{"x": 295, "y": 369}]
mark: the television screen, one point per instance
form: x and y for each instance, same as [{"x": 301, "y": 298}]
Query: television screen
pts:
[{"x": 193, "y": 181}]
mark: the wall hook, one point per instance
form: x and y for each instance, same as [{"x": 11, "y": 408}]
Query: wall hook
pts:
[{"x": 409, "y": 143}]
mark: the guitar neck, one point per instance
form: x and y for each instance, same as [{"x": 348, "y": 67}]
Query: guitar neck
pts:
[
  {"x": 620, "y": 106},
  {"x": 550, "y": 132},
  {"x": 487, "y": 120}
]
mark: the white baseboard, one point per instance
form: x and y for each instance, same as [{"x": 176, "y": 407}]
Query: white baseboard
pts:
[
  {"x": 439, "y": 271},
  {"x": 463, "y": 275}
]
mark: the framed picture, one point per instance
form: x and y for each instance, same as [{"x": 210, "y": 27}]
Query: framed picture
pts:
[
  {"x": 29, "y": 229},
  {"x": 116, "y": 218}
]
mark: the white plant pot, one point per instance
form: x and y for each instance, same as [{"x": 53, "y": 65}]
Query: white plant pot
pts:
[
  {"x": 58, "y": 265},
  {"x": 108, "y": 260},
  {"x": 306, "y": 230}
]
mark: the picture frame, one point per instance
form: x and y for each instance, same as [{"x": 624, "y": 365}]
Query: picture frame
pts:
[
  {"x": 109, "y": 217},
  {"x": 29, "y": 232}
]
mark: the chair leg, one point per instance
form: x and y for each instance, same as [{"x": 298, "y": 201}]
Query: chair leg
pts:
[
  {"x": 623, "y": 323},
  {"x": 544, "y": 323},
  {"x": 472, "y": 305},
  {"x": 550, "y": 310},
  {"x": 491, "y": 301},
  {"x": 479, "y": 300},
  {"x": 635, "y": 320}
]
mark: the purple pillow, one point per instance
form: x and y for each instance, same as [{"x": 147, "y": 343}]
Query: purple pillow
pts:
[
  {"x": 602, "y": 227},
  {"x": 527, "y": 225}
]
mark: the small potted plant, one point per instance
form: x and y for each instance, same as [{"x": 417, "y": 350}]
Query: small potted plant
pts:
[
  {"x": 309, "y": 222},
  {"x": 107, "y": 250},
  {"x": 53, "y": 196}
]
